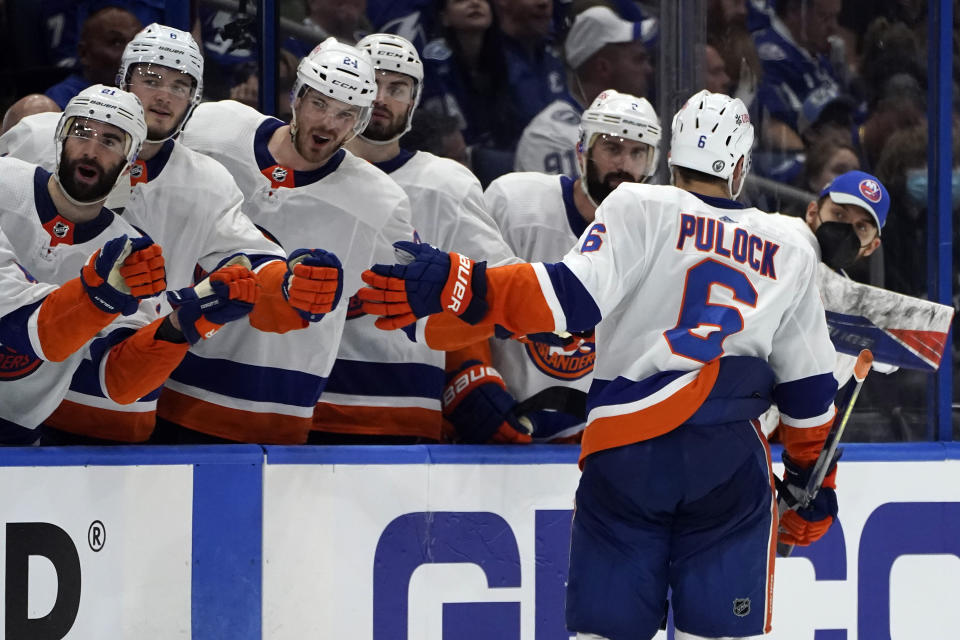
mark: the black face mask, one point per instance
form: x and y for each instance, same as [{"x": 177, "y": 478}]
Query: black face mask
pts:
[{"x": 839, "y": 244}]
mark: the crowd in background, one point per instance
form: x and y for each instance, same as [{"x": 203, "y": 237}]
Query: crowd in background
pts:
[{"x": 832, "y": 85}]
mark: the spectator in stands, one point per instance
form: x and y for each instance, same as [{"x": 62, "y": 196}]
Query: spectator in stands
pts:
[
  {"x": 466, "y": 76},
  {"x": 794, "y": 52},
  {"x": 534, "y": 68},
  {"x": 826, "y": 159},
  {"x": 26, "y": 106},
  {"x": 826, "y": 113},
  {"x": 891, "y": 114},
  {"x": 603, "y": 51},
  {"x": 102, "y": 40},
  {"x": 345, "y": 20},
  {"x": 903, "y": 167},
  {"x": 891, "y": 61},
  {"x": 728, "y": 34},
  {"x": 246, "y": 86},
  {"x": 715, "y": 78}
]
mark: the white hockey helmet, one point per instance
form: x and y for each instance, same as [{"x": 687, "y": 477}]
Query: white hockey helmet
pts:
[
  {"x": 711, "y": 133},
  {"x": 168, "y": 47},
  {"x": 106, "y": 104},
  {"x": 391, "y": 52},
  {"x": 341, "y": 72},
  {"x": 624, "y": 116}
]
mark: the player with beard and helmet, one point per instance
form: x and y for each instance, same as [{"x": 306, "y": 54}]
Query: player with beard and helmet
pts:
[
  {"x": 185, "y": 201},
  {"x": 388, "y": 387},
  {"x": 54, "y": 223},
  {"x": 303, "y": 189},
  {"x": 541, "y": 216}
]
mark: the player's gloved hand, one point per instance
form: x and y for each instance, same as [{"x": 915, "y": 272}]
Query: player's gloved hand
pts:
[
  {"x": 805, "y": 525},
  {"x": 122, "y": 273},
  {"x": 425, "y": 281},
  {"x": 227, "y": 294},
  {"x": 478, "y": 405},
  {"x": 313, "y": 283}
]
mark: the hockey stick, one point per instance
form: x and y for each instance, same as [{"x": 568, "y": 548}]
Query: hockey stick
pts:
[{"x": 830, "y": 452}]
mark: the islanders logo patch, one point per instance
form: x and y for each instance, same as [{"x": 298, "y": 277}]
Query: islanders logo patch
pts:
[
  {"x": 15, "y": 365},
  {"x": 870, "y": 190},
  {"x": 561, "y": 364}
]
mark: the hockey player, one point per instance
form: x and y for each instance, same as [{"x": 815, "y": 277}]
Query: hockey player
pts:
[
  {"x": 386, "y": 386},
  {"x": 302, "y": 188},
  {"x": 55, "y": 222},
  {"x": 185, "y": 201},
  {"x": 603, "y": 51},
  {"x": 541, "y": 216},
  {"x": 705, "y": 312}
]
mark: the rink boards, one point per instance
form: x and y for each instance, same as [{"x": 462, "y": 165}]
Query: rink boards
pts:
[{"x": 413, "y": 543}]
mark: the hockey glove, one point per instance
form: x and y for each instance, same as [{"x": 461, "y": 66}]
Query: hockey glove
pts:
[
  {"x": 425, "y": 281},
  {"x": 313, "y": 283},
  {"x": 227, "y": 294},
  {"x": 478, "y": 405},
  {"x": 122, "y": 273},
  {"x": 804, "y": 525}
]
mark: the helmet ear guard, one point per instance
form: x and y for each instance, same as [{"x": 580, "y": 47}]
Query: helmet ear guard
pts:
[
  {"x": 167, "y": 47},
  {"x": 711, "y": 133}
]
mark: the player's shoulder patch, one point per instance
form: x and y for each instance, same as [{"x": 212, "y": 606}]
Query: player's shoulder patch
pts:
[
  {"x": 771, "y": 51},
  {"x": 437, "y": 50},
  {"x": 566, "y": 115}
]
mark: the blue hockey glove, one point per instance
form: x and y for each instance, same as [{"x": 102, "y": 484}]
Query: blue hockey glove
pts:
[
  {"x": 805, "y": 525},
  {"x": 227, "y": 294},
  {"x": 423, "y": 282},
  {"x": 478, "y": 405}
]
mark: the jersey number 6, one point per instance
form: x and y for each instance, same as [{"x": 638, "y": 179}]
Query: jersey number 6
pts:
[{"x": 704, "y": 325}]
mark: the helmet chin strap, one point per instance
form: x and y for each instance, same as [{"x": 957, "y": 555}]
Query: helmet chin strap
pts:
[{"x": 586, "y": 190}]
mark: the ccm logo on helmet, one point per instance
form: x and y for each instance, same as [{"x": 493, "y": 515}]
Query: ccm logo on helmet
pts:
[
  {"x": 460, "y": 286},
  {"x": 345, "y": 85}
]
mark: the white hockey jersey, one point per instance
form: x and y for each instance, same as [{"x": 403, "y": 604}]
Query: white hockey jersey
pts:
[
  {"x": 253, "y": 386},
  {"x": 191, "y": 206},
  {"x": 539, "y": 220},
  {"x": 679, "y": 281},
  {"x": 50, "y": 249},
  {"x": 548, "y": 143},
  {"x": 383, "y": 382}
]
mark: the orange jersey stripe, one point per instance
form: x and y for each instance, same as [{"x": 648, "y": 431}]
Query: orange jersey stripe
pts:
[
  {"x": 272, "y": 312},
  {"x": 122, "y": 426},
  {"x": 232, "y": 424},
  {"x": 381, "y": 421},
  {"x": 140, "y": 364},
  {"x": 67, "y": 320},
  {"x": 516, "y": 300},
  {"x": 650, "y": 422}
]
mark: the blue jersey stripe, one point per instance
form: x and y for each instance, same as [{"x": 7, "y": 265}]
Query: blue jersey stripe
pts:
[
  {"x": 578, "y": 306},
  {"x": 250, "y": 382},
  {"x": 807, "y": 397},
  {"x": 14, "y": 332},
  {"x": 400, "y": 379}
]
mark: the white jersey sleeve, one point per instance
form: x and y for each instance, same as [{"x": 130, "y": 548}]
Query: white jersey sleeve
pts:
[
  {"x": 32, "y": 140},
  {"x": 17, "y": 287},
  {"x": 548, "y": 143}
]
